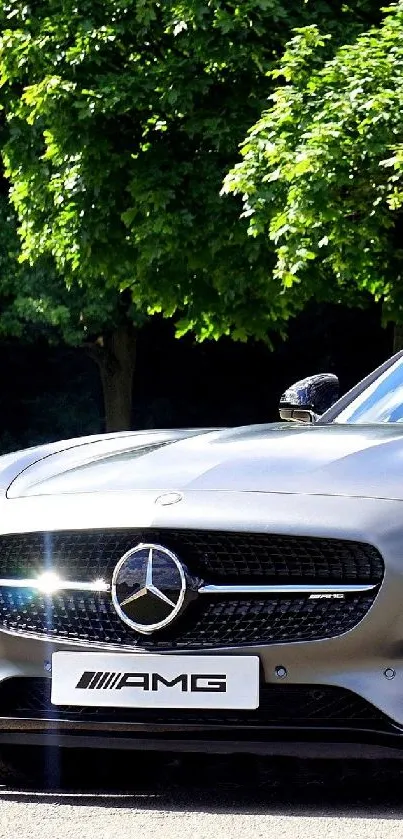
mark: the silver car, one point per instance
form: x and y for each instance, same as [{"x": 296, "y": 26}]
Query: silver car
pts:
[{"x": 236, "y": 590}]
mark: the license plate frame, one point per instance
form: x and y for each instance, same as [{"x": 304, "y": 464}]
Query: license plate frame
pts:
[{"x": 143, "y": 680}]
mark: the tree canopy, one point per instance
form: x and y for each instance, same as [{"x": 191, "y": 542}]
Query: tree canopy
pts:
[
  {"x": 322, "y": 170},
  {"x": 121, "y": 119}
]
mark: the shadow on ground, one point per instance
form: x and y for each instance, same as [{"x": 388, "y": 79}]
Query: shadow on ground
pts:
[{"x": 214, "y": 784}]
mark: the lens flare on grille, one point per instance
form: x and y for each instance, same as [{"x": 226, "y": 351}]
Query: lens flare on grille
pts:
[
  {"x": 48, "y": 582},
  {"x": 100, "y": 585}
]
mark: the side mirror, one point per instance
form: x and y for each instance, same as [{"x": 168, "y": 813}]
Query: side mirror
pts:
[{"x": 307, "y": 399}]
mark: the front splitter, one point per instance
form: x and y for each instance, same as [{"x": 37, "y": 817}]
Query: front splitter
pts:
[{"x": 316, "y": 743}]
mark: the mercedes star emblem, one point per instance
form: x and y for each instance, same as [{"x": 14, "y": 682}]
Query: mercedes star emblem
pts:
[{"x": 148, "y": 587}]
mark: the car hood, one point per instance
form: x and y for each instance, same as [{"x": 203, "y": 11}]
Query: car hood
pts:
[{"x": 356, "y": 461}]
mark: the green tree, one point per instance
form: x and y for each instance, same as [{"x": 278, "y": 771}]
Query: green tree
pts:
[
  {"x": 121, "y": 119},
  {"x": 322, "y": 170}
]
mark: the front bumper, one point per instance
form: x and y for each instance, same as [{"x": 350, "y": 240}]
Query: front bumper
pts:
[{"x": 355, "y": 661}]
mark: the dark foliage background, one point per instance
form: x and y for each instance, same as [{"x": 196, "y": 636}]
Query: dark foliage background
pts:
[{"x": 50, "y": 393}]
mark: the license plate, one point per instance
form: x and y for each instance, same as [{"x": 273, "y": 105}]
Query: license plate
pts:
[{"x": 155, "y": 681}]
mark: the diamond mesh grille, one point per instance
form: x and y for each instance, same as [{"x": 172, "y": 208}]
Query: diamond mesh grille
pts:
[{"x": 209, "y": 622}]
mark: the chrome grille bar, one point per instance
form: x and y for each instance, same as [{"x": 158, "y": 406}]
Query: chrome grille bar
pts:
[
  {"x": 49, "y": 585},
  {"x": 287, "y": 589}
]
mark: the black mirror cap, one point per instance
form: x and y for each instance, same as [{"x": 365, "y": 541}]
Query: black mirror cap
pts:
[{"x": 309, "y": 398}]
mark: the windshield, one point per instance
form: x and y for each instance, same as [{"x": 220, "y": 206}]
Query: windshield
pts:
[{"x": 381, "y": 401}]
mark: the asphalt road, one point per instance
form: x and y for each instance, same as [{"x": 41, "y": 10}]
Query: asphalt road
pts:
[{"x": 104, "y": 796}]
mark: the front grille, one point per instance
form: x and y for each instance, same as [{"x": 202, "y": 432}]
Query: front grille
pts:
[
  {"x": 87, "y": 555},
  {"x": 295, "y": 706},
  {"x": 210, "y": 621}
]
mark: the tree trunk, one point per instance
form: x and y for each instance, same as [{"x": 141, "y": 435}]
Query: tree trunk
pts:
[
  {"x": 116, "y": 359},
  {"x": 398, "y": 337}
]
